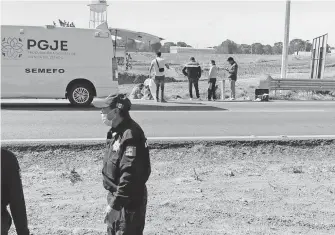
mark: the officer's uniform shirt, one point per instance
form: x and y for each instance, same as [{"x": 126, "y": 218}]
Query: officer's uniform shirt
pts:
[
  {"x": 126, "y": 165},
  {"x": 12, "y": 195}
]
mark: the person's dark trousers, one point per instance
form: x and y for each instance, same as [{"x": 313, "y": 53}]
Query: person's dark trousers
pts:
[
  {"x": 195, "y": 82},
  {"x": 132, "y": 221},
  {"x": 6, "y": 222},
  {"x": 211, "y": 88},
  {"x": 160, "y": 82}
]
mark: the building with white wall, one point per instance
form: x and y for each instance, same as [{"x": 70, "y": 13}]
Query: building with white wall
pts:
[{"x": 175, "y": 50}]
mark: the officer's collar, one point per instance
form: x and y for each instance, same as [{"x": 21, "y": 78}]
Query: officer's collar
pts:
[{"x": 121, "y": 127}]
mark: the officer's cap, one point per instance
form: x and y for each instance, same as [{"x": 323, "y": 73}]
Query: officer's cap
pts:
[{"x": 113, "y": 101}]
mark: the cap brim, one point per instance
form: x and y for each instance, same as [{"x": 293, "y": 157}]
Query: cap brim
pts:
[{"x": 100, "y": 103}]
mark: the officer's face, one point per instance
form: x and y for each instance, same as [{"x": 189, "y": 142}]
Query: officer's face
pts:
[{"x": 113, "y": 115}]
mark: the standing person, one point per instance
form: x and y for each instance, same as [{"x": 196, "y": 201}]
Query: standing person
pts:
[
  {"x": 12, "y": 195},
  {"x": 126, "y": 168},
  {"x": 158, "y": 64},
  {"x": 193, "y": 72},
  {"x": 213, "y": 71},
  {"x": 232, "y": 76}
]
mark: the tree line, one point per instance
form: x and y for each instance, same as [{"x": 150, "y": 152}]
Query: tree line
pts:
[{"x": 230, "y": 47}]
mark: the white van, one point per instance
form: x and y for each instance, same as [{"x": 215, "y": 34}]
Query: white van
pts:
[{"x": 56, "y": 62}]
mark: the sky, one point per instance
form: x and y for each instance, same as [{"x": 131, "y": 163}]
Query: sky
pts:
[{"x": 198, "y": 23}]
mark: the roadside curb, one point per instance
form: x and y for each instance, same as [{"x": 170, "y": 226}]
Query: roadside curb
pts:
[{"x": 171, "y": 144}]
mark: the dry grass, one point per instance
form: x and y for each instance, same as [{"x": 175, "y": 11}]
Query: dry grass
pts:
[
  {"x": 265, "y": 189},
  {"x": 252, "y": 68}
]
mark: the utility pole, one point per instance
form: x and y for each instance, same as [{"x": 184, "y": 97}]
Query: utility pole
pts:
[{"x": 286, "y": 40}]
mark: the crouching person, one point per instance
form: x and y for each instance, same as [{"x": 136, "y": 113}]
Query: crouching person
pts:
[{"x": 126, "y": 168}]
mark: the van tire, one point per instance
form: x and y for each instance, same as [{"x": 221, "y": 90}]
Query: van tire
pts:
[{"x": 81, "y": 94}]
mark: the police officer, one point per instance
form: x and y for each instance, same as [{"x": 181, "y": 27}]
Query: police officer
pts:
[
  {"x": 12, "y": 195},
  {"x": 126, "y": 168}
]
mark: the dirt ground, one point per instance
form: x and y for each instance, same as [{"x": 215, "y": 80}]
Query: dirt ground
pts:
[{"x": 219, "y": 189}]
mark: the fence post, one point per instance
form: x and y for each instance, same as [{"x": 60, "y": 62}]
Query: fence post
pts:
[{"x": 222, "y": 89}]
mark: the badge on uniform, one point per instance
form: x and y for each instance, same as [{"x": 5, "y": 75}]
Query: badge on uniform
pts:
[
  {"x": 116, "y": 145},
  {"x": 130, "y": 151}
]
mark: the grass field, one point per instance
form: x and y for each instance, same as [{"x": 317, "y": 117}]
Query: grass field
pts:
[
  {"x": 252, "y": 68},
  {"x": 232, "y": 189}
]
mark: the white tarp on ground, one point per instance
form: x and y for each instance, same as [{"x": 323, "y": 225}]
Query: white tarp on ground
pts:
[{"x": 152, "y": 86}]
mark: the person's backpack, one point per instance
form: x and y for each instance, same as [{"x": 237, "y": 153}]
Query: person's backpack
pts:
[{"x": 161, "y": 70}]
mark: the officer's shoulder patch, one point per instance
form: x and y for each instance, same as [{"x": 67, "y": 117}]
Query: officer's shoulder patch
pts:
[
  {"x": 128, "y": 134},
  {"x": 130, "y": 151}
]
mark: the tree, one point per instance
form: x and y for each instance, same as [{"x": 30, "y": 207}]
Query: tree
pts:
[
  {"x": 64, "y": 23},
  {"x": 244, "y": 49},
  {"x": 308, "y": 46},
  {"x": 296, "y": 45},
  {"x": 182, "y": 44},
  {"x": 156, "y": 46},
  {"x": 227, "y": 47},
  {"x": 328, "y": 49},
  {"x": 277, "y": 48},
  {"x": 257, "y": 48},
  {"x": 267, "y": 49},
  {"x": 131, "y": 45}
]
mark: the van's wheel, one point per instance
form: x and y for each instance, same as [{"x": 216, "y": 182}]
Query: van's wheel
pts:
[{"x": 81, "y": 94}]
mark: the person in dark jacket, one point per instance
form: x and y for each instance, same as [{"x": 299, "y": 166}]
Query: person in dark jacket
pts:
[
  {"x": 126, "y": 168},
  {"x": 12, "y": 195},
  {"x": 232, "y": 76},
  {"x": 193, "y": 72}
]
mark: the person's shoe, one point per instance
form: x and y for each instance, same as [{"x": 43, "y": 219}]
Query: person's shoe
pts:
[
  {"x": 157, "y": 100},
  {"x": 163, "y": 101},
  {"x": 191, "y": 98},
  {"x": 199, "y": 99}
]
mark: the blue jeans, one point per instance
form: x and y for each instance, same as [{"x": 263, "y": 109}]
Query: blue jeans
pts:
[{"x": 160, "y": 82}]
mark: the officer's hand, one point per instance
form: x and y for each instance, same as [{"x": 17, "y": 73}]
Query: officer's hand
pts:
[{"x": 108, "y": 209}]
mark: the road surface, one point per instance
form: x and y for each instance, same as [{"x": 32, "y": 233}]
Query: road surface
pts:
[{"x": 58, "y": 120}]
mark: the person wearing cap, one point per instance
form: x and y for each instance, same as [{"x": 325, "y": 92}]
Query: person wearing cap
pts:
[
  {"x": 232, "y": 76},
  {"x": 12, "y": 195},
  {"x": 126, "y": 167},
  {"x": 193, "y": 72}
]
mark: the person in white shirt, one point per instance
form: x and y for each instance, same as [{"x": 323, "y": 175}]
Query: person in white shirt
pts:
[
  {"x": 158, "y": 64},
  {"x": 213, "y": 71}
]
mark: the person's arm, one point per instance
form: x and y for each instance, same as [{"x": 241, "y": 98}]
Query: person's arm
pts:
[
  {"x": 151, "y": 66},
  {"x": 184, "y": 71},
  {"x": 17, "y": 203},
  {"x": 167, "y": 65},
  {"x": 128, "y": 165},
  {"x": 232, "y": 69},
  {"x": 210, "y": 73},
  {"x": 199, "y": 72}
]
